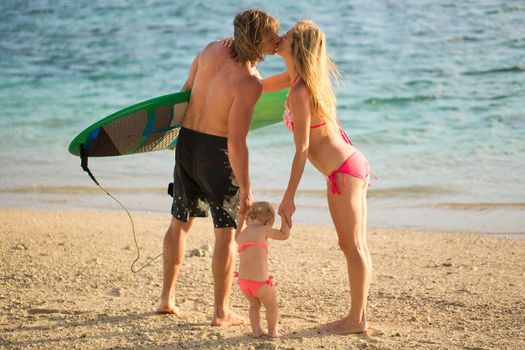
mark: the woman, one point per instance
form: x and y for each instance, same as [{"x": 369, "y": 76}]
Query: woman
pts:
[{"x": 318, "y": 136}]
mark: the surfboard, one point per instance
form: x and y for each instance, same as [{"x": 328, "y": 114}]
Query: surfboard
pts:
[{"x": 154, "y": 125}]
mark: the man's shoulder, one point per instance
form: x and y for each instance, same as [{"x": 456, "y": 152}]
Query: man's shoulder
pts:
[
  {"x": 248, "y": 84},
  {"x": 215, "y": 48}
]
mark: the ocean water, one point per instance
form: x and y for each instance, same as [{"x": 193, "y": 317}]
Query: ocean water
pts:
[{"x": 433, "y": 93}]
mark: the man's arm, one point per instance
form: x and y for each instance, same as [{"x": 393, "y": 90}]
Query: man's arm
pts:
[
  {"x": 239, "y": 119},
  {"x": 191, "y": 76}
]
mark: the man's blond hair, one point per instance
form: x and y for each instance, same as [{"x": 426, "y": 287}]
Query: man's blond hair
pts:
[
  {"x": 262, "y": 212},
  {"x": 250, "y": 28}
]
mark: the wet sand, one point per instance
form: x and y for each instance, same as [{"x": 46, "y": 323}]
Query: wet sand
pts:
[{"x": 65, "y": 282}]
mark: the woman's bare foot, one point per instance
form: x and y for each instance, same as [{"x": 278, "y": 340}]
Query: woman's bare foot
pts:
[
  {"x": 230, "y": 319},
  {"x": 347, "y": 326},
  {"x": 328, "y": 326}
]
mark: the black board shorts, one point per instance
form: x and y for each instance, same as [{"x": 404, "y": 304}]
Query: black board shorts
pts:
[{"x": 204, "y": 179}]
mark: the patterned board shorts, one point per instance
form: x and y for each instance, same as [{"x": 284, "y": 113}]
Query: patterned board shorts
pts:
[{"x": 203, "y": 179}]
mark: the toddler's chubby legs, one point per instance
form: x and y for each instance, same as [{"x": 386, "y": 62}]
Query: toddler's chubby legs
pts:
[
  {"x": 268, "y": 297},
  {"x": 255, "y": 316}
]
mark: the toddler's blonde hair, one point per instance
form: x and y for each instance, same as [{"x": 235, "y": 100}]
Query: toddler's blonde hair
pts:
[{"x": 262, "y": 212}]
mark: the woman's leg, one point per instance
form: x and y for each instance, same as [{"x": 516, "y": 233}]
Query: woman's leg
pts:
[
  {"x": 348, "y": 211},
  {"x": 364, "y": 230}
]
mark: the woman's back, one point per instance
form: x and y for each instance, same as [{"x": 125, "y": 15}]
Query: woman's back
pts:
[{"x": 327, "y": 149}]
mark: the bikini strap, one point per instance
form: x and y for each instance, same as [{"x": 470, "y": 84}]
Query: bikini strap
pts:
[
  {"x": 294, "y": 80},
  {"x": 317, "y": 125},
  {"x": 270, "y": 281},
  {"x": 343, "y": 133}
]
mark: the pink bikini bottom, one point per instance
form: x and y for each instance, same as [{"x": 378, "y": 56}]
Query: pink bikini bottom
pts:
[
  {"x": 250, "y": 288},
  {"x": 356, "y": 165}
]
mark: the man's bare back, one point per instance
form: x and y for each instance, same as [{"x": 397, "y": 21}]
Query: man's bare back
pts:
[{"x": 217, "y": 80}]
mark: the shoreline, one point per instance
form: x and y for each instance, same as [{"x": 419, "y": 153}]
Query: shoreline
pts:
[
  {"x": 303, "y": 217},
  {"x": 404, "y": 213},
  {"x": 66, "y": 283}
]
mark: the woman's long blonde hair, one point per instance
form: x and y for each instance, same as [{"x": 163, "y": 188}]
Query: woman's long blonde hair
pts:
[{"x": 315, "y": 67}]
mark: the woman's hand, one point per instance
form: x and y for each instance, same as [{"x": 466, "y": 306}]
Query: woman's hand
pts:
[
  {"x": 287, "y": 209},
  {"x": 228, "y": 41}
]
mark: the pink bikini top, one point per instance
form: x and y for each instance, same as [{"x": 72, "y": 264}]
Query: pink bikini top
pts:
[
  {"x": 288, "y": 117},
  {"x": 247, "y": 244}
]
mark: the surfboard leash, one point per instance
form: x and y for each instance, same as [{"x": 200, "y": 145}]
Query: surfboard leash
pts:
[{"x": 84, "y": 165}]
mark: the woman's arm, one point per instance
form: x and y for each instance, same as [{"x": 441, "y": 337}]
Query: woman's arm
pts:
[
  {"x": 276, "y": 82},
  {"x": 299, "y": 101}
]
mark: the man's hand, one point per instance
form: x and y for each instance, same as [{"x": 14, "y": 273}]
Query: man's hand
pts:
[{"x": 245, "y": 201}]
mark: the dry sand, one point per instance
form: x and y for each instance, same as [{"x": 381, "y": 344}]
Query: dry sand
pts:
[{"x": 65, "y": 283}]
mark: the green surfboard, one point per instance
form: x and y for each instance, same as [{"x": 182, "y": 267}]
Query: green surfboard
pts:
[{"x": 154, "y": 125}]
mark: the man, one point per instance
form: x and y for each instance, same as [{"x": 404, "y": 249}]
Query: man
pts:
[{"x": 211, "y": 170}]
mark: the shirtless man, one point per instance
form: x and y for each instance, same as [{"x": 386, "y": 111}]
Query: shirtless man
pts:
[{"x": 211, "y": 170}]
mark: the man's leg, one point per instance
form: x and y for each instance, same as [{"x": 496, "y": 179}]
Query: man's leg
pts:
[
  {"x": 174, "y": 251},
  {"x": 223, "y": 263}
]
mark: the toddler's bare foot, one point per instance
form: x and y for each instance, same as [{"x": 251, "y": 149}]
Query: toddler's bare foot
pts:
[
  {"x": 275, "y": 334},
  {"x": 230, "y": 319},
  {"x": 258, "y": 333},
  {"x": 347, "y": 326}
]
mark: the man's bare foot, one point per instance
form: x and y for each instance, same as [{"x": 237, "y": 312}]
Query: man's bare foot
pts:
[
  {"x": 275, "y": 334},
  {"x": 347, "y": 326},
  {"x": 230, "y": 319},
  {"x": 164, "y": 309}
]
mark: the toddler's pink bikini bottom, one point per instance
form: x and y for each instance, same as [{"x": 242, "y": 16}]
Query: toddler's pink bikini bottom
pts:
[{"x": 250, "y": 287}]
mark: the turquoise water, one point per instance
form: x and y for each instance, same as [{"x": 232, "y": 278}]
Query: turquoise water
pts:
[{"x": 433, "y": 93}]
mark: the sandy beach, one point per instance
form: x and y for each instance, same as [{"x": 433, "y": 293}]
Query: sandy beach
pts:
[{"x": 66, "y": 283}]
